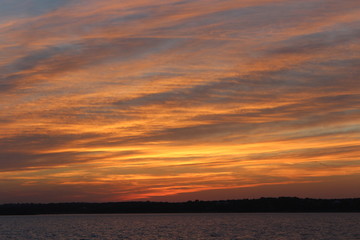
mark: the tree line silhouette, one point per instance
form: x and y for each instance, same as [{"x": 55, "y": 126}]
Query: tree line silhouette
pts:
[{"x": 281, "y": 204}]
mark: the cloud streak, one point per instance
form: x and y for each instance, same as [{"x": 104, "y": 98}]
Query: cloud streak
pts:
[{"x": 166, "y": 100}]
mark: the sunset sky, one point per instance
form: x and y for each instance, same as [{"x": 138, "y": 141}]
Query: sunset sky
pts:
[{"x": 176, "y": 100}]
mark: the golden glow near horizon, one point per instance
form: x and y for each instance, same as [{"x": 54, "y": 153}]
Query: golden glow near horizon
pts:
[{"x": 177, "y": 100}]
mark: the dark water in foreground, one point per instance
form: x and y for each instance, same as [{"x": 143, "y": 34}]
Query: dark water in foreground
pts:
[{"x": 249, "y": 226}]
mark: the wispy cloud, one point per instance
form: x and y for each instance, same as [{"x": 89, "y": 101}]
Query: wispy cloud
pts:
[{"x": 121, "y": 100}]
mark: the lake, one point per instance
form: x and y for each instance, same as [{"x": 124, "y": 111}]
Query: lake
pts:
[{"x": 244, "y": 226}]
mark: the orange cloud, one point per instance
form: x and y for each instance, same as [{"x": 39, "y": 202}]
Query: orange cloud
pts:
[{"x": 142, "y": 99}]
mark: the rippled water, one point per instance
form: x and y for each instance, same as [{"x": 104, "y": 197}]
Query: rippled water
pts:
[{"x": 257, "y": 226}]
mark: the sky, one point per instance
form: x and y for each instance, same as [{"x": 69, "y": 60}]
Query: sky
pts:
[{"x": 176, "y": 100}]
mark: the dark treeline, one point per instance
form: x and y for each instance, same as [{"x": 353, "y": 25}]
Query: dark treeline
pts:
[{"x": 282, "y": 204}]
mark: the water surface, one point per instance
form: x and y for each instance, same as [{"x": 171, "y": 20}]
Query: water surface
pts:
[{"x": 244, "y": 226}]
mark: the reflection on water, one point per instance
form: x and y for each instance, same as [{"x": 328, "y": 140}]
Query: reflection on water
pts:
[{"x": 279, "y": 226}]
